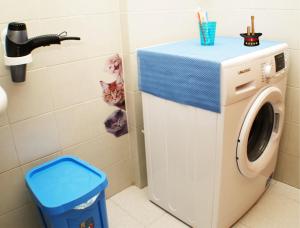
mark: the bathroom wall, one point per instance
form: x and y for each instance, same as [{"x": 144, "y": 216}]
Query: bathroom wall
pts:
[
  {"x": 59, "y": 109},
  {"x": 146, "y": 23},
  {"x": 277, "y": 20}
]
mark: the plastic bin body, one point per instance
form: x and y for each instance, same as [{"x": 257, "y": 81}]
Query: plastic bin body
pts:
[
  {"x": 75, "y": 218},
  {"x": 78, "y": 199}
]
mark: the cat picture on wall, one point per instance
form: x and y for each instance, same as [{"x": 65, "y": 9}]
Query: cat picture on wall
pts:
[
  {"x": 114, "y": 95},
  {"x": 116, "y": 123}
]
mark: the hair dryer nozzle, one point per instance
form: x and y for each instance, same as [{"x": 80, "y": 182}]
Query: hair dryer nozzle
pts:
[{"x": 62, "y": 38}]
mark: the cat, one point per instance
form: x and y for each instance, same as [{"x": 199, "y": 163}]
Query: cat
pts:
[
  {"x": 114, "y": 65},
  {"x": 113, "y": 93},
  {"x": 116, "y": 123}
]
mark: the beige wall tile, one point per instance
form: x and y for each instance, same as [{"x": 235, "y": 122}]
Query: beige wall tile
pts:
[
  {"x": 293, "y": 105},
  {"x": 119, "y": 177},
  {"x": 137, "y": 146},
  {"x": 40, "y": 161},
  {"x": 13, "y": 191},
  {"x": 254, "y": 4},
  {"x": 125, "y": 36},
  {"x": 18, "y": 11},
  {"x": 295, "y": 115},
  {"x": 238, "y": 20},
  {"x": 8, "y": 155},
  {"x": 135, "y": 111},
  {"x": 137, "y": 5},
  {"x": 293, "y": 142},
  {"x": 82, "y": 122},
  {"x": 284, "y": 138},
  {"x": 102, "y": 151},
  {"x": 151, "y": 28},
  {"x": 100, "y": 35},
  {"x": 131, "y": 74},
  {"x": 77, "y": 82},
  {"x": 3, "y": 119},
  {"x": 25, "y": 217},
  {"x": 288, "y": 170},
  {"x": 30, "y": 98},
  {"x": 289, "y": 143},
  {"x": 36, "y": 137},
  {"x": 57, "y": 8},
  {"x": 294, "y": 72}
]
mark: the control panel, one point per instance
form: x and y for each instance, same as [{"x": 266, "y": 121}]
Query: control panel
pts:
[
  {"x": 273, "y": 67},
  {"x": 244, "y": 78}
]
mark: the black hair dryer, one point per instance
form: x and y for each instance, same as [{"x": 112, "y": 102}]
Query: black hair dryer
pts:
[{"x": 18, "y": 48}]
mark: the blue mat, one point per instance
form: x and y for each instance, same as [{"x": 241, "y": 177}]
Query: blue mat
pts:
[{"x": 188, "y": 73}]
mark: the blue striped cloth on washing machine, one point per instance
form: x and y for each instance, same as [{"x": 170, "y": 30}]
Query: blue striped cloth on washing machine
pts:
[{"x": 188, "y": 73}]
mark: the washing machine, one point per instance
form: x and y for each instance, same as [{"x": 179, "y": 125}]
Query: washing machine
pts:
[{"x": 208, "y": 166}]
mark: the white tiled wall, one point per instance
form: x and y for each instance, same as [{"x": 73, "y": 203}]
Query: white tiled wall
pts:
[{"x": 59, "y": 109}]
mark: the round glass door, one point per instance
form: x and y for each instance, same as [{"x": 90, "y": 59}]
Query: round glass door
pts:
[
  {"x": 259, "y": 136},
  {"x": 260, "y": 132}
]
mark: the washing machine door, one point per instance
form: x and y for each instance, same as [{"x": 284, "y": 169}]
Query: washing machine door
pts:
[{"x": 260, "y": 132}]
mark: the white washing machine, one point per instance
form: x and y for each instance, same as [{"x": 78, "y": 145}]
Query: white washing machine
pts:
[{"x": 208, "y": 168}]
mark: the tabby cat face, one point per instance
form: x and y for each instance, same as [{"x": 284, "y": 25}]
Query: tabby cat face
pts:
[{"x": 113, "y": 93}]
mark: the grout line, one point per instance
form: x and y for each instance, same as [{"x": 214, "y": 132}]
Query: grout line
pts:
[
  {"x": 55, "y": 110},
  {"x": 257, "y": 9},
  {"x": 64, "y": 17},
  {"x": 153, "y": 11},
  {"x": 21, "y": 165},
  {"x": 124, "y": 210},
  {"x": 146, "y": 200},
  {"x": 104, "y": 55},
  {"x": 14, "y": 142},
  {"x": 15, "y": 209},
  {"x": 292, "y": 86},
  {"x": 291, "y": 122}
]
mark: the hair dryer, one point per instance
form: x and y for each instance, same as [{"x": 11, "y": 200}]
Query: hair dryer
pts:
[{"x": 18, "y": 47}]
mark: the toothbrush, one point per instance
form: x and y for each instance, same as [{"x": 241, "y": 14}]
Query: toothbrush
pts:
[
  {"x": 252, "y": 24},
  {"x": 201, "y": 28}
]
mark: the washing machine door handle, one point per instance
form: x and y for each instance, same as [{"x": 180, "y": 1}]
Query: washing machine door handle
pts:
[{"x": 260, "y": 133}]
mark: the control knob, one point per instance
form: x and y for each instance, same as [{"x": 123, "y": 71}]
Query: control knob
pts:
[{"x": 267, "y": 70}]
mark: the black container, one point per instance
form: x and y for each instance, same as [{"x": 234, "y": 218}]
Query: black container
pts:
[{"x": 251, "y": 40}]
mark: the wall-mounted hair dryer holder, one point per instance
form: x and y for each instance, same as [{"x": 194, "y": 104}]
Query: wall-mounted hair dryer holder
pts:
[{"x": 17, "y": 47}]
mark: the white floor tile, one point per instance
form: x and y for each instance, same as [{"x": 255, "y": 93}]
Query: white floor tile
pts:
[
  {"x": 118, "y": 218},
  {"x": 278, "y": 208},
  {"x": 273, "y": 211},
  {"x": 168, "y": 221},
  {"x": 285, "y": 190},
  {"x": 134, "y": 201}
]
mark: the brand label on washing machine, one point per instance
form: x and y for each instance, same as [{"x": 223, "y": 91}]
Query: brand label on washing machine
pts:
[{"x": 244, "y": 70}]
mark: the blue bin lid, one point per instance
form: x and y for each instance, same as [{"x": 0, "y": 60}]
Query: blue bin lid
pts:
[{"x": 63, "y": 183}]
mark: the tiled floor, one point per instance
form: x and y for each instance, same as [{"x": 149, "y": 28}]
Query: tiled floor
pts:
[{"x": 278, "y": 208}]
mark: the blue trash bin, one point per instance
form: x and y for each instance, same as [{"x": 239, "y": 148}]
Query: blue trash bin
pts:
[{"x": 69, "y": 193}]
